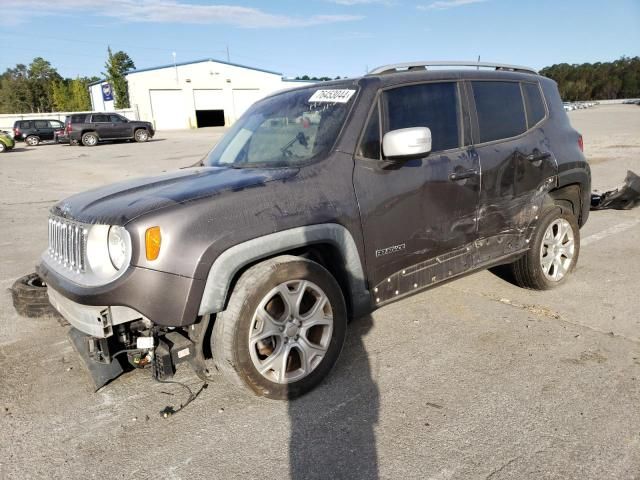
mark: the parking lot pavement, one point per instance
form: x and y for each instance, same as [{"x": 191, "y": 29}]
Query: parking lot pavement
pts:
[{"x": 474, "y": 379}]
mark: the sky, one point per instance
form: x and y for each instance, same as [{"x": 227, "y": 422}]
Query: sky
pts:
[{"x": 316, "y": 37}]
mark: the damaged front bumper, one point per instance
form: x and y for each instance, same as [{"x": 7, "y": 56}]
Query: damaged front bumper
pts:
[{"x": 96, "y": 321}]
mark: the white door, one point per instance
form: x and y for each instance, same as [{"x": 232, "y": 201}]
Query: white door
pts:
[
  {"x": 243, "y": 99},
  {"x": 208, "y": 99},
  {"x": 168, "y": 109}
]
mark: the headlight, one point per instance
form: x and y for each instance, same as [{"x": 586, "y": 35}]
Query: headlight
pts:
[{"x": 117, "y": 244}]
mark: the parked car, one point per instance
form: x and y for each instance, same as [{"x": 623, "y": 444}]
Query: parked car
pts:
[
  {"x": 32, "y": 132},
  {"x": 6, "y": 142},
  {"x": 61, "y": 136},
  {"x": 409, "y": 179},
  {"x": 90, "y": 128}
]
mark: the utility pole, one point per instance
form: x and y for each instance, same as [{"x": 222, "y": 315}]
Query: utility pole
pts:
[
  {"x": 175, "y": 65},
  {"x": 228, "y": 56}
]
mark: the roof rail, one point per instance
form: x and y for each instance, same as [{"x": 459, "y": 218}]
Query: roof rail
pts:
[{"x": 396, "y": 67}]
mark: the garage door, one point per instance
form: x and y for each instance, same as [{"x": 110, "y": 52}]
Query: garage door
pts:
[
  {"x": 168, "y": 109},
  {"x": 243, "y": 99},
  {"x": 208, "y": 99}
]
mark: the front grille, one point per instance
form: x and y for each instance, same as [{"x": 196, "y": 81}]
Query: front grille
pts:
[{"x": 68, "y": 243}]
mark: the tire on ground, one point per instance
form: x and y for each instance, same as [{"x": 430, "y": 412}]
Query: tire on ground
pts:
[
  {"x": 141, "y": 135},
  {"x": 230, "y": 336},
  {"x": 30, "y": 297},
  {"x": 90, "y": 139},
  {"x": 527, "y": 271},
  {"x": 32, "y": 140}
]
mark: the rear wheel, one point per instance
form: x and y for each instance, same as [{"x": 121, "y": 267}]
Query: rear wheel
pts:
[
  {"x": 90, "y": 139},
  {"x": 141, "y": 135},
  {"x": 32, "y": 140},
  {"x": 2, "y": 147},
  {"x": 555, "y": 246},
  {"x": 283, "y": 329}
]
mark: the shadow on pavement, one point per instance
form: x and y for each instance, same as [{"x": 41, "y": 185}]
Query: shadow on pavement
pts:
[{"x": 332, "y": 427}]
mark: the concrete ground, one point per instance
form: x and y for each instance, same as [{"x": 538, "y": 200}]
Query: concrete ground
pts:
[{"x": 475, "y": 379}]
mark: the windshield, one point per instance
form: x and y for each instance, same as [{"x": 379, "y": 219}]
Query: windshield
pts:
[{"x": 286, "y": 130}]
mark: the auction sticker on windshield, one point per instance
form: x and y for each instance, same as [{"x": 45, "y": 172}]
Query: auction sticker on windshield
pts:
[{"x": 331, "y": 96}]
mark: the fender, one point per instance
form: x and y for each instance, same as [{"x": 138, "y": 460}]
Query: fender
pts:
[{"x": 231, "y": 261}]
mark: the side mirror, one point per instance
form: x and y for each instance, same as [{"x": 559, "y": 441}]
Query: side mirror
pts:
[{"x": 406, "y": 143}]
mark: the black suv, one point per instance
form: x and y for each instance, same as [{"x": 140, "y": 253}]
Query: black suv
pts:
[
  {"x": 32, "y": 132},
  {"x": 321, "y": 203},
  {"x": 91, "y": 128}
]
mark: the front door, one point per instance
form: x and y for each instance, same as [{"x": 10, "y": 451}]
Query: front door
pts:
[
  {"x": 418, "y": 217},
  {"x": 518, "y": 168},
  {"x": 119, "y": 127}
]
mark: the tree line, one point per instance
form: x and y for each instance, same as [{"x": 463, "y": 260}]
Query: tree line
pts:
[
  {"x": 597, "y": 81},
  {"x": 38, "y": 87}
]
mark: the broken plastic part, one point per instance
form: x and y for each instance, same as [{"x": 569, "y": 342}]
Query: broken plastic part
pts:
[{"x": 625, "y": 197}]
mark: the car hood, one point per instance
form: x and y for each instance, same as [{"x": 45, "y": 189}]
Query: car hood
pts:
[{"x": 119, "y": 203}]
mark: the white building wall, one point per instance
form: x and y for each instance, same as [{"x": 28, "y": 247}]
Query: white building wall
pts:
[{"x": 236, "y": 88}]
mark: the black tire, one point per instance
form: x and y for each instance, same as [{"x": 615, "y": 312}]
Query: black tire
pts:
[
  {"x": 230, "y": 337},
  {"x": 90, "y": 139},
  {"x": 3, "y": 148},
  {"x": 527, "y": 271},
  {"x": 32, "y": 140},
  {"x": 141, "y": 135},
  {"x": 30, "y": 297}
]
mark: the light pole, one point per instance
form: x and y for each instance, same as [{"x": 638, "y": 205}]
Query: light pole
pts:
[{"x": 175, "y": 65}]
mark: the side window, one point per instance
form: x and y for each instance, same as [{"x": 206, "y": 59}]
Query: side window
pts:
[
  {"x": 100, "y": 119},
  {"x": 55, "y": 124},
  {"x": 41, "y": 124},
  {"x": 433, "y": 105},
  {"x": 500, "y": 110},
  {"x": 116, "y": 119},
  {"x": 534, "y": 103},
  {"x": 370, "y": 145},
  {"x": 78, "y": 118}
]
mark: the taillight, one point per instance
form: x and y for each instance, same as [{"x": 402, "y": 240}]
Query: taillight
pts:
[
  {"x": 580, "y": 143},
  {"x": 16, "y": 132},
  {"x": 67, "y": 128}
]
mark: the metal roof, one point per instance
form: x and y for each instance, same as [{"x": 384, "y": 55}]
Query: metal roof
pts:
[{"x": 172, "y": 65}]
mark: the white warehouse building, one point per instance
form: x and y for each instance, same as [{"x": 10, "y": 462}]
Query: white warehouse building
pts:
[{"x": 201, "y": 93}]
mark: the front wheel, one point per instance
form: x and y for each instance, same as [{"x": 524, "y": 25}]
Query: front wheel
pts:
[
  {"x": 32, "y": 140},
  {"x": 141, "y": 135},
  {"x": 555, "y": 246},
  {"x": 283, "y": 329}
]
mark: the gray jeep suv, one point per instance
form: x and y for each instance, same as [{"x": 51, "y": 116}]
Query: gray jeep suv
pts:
[{"x": 321, "y": 203}]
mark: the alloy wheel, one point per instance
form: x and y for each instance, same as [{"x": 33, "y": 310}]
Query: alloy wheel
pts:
[
  {"x": 290, "y": 331},
  {"x": 557, "y": 250}
]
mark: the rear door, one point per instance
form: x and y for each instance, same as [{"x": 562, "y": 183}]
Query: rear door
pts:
[
  {"x": 518, "y": 167},
  {"x": 102, "y": 125},
  {"x": 419, "y": 217}
]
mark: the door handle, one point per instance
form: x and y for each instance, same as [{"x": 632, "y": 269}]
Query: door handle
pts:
[
  {"x": 455, "y": 176},
  {"x": 537, "y": 156}
]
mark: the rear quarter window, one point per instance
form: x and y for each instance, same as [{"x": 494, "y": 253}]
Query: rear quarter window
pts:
[
  {"x": 534, "y": 103},
  {"x": 500, "y": 110}
]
